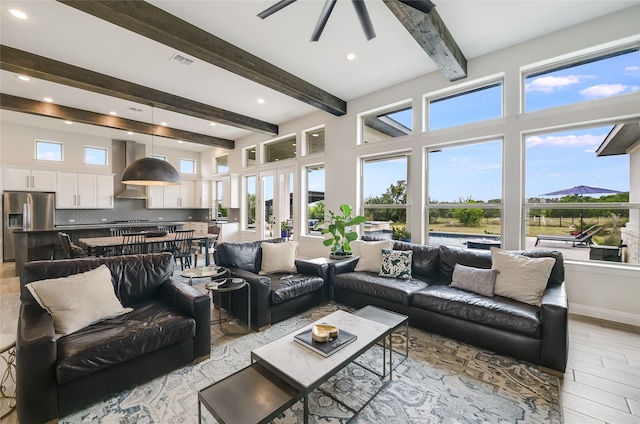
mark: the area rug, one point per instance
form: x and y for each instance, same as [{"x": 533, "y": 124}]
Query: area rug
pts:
[{"x": 442, "y": 381}]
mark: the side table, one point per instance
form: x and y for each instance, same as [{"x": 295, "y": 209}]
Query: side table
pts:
[
  {"x": 8, "y": 355},
  {"x": 226, "y": 285},
  {"x": 203, "y": 272}
]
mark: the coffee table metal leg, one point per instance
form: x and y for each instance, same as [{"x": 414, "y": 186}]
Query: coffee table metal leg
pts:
[
  {"x": 199, "y": 412},
  {"x": 306, "y": 409},
  {"x": 248, "y": 308}
]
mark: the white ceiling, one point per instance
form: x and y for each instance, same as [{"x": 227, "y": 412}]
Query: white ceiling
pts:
[{"x": 63, "y": 33}]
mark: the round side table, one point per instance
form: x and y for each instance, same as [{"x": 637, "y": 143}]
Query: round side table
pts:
[
  {"x": 8, "y": 355},
  {"x": 203, "y": 272},
  {"x": 225, "y": 285}
]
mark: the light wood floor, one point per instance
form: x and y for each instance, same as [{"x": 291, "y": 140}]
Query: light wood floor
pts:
[{"x": 601, "y": 384}]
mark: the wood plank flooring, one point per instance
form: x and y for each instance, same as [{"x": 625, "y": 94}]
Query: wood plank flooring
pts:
[{"x": 601, "y": 384}]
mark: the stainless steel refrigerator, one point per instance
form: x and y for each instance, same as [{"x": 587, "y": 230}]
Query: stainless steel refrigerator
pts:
[{"x": 28, "y": 211}]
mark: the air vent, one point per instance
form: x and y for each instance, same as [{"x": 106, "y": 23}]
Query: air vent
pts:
[
  {"x": 182, "y": 60},
  {"x": 134, "y": 109}
]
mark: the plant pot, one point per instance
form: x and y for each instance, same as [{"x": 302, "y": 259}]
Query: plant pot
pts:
[
  {"x": 344, "y": 255},
  {"x": 284, "y": 234}
]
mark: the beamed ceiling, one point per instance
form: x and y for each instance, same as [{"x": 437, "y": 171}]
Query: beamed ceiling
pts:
[{"x": 93, "y": 57}]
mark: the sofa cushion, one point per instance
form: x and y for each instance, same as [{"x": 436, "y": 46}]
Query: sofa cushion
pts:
[
  {"x": 450, "y": 256},
  {"x": 78, "y": 300},
  {"x": 425, "y": 260},
  {"x": 245, "y": 256},
  {"x": 396, "y": 264},
  {"x": 289, "y": 286},
  {"x": 499, "y": 312},
  {"x": 278, "y": 257},
  {"x": 477, "y": 280},
  {"x": 520, "y": 277},
  {"x": 392, "y": 289},
  {"x": 370, "y": 254},
  {"x": 152, "y": 325}
]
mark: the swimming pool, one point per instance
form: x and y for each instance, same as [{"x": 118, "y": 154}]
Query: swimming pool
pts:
[{"x": 449, "y": 239}]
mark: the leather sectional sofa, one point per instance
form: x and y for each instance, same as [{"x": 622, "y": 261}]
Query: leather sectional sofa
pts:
[
  {"x": 537, "y": 334},
  {"x": 276, "y": 296},
  {"x": 58, "y": 375}
]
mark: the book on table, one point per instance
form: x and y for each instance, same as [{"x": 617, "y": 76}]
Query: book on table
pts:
[{"x": 327, "y": 348}]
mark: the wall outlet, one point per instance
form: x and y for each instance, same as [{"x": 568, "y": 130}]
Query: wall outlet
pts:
[
  {"x": 72, "y": 220},
  {"x": 104, "y": 219},
  {"x": 160, "y": 218}
]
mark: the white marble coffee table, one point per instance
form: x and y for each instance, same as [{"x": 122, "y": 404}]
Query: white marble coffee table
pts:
[{"x": 306, "y": 370}]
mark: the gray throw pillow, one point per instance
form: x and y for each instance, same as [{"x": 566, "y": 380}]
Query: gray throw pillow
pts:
[{"x": 477, "y": 280}]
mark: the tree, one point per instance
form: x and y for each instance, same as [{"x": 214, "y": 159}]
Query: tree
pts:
[
  {"x": 469, "y": 217},
  {"x": 395, "y": 194},
  {"x": 316, "y": 211}
]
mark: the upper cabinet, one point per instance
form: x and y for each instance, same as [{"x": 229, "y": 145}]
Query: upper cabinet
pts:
[
  {"x": 24, "y": 179},
  {"x": 182, "y": 196},
  {"x": 230, "y": 191},
  {"x": 203, "y": 194},
  {"x": 84, "y": 191}
]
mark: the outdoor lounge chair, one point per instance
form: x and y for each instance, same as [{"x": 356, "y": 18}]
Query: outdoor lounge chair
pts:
[{"x": 581, "y": 238}]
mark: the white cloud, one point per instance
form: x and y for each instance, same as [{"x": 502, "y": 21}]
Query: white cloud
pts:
[
  {"x": 633, "y": 71},
  {"x": 587, "y": 140},
  {"x": 606, "y": 90},
  {"x": 549, "y": 84}
]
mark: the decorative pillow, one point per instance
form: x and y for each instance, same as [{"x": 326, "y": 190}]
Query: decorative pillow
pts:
[
  {"x": 396, "y": 263},
  {"x": 279, "y": 257},
  {"x": 370, "y": 253},
  {"x": 78, "y": 300},
  {"x": 477, "y": 280},
  {"x": 519, "y": 277}
]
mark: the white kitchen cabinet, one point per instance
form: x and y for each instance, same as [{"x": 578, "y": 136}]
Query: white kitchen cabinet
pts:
[
  {"x": 172, "y": 196},
  {"x": 203, "y": 194},
  {"x": 25, "y": 179},
  {"x": 230, "y": 191},
  {"x": 188, "y": 194},
  {"x": 105, "y": 193},
  {"x": 155, "y": 197},
  {"x": 76, "y": 191}
]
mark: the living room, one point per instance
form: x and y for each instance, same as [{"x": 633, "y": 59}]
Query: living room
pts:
[{"x": 596, "y": 289}]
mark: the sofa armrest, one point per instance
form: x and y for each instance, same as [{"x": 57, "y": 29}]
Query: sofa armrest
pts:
[
  {"x": 194, "y": 303},
  {"x": 260, "y": 296},
  {"x": 555, "y": 320},
  {"x": 36, "y": 356},
  {"x": 308, "y": 267},
  {"x": 343, "y": 265}
]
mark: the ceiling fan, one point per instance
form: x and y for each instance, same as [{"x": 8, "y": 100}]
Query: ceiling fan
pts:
[{"x": 361, "y": 10}]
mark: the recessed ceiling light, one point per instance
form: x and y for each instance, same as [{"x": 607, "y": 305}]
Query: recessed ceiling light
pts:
[
  {"x": 129, "y": 132},
  {"x": 351, "y": 57},
  {"x": 18, "y": 13},
  {"x": 314, "y": 135},
  {"x": 213, "y": 124},
  {"x": 179, "y": 141},
  {"x": 261, "y": 101},
  {"x": 23, "y": 78},
  {"x": 47, "y": 99},
  {"x": 113, "y": 113},
  {"x": 164, "y": 124},
  {"x": 68, "y": 122}
]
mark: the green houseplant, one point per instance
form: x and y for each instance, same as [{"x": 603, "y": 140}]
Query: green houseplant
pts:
[{"x": 340, "y": 228}]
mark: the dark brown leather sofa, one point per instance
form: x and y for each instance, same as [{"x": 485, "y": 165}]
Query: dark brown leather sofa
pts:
[
  {"x": 520, "y": 330},
  {"x": 55, "y": 377},
  {"x": 274, "y": 297}
]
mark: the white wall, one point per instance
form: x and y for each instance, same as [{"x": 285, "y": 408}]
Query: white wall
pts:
[{"x": 605, "y": 291}]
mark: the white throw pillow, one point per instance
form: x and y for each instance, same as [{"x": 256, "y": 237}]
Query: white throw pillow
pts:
[
  {"x": 278, "y": 257},
  {"x": 519, "y": 277},
  {"x": 78, "y": 300},
  {"x": 370, "y": 253}
]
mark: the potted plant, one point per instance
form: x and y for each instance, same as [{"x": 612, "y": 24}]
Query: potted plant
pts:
[
  {"x": 399, "y": 232},
  {"x": 284, "y": 231},
  {"x": 340, "y": 228}
]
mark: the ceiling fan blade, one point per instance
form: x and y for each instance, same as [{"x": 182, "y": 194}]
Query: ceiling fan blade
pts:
[
  {"x": 322, "y": 20},
  {"x": 365, "y": 21},
  {"x": 424, "y": 6},
  {"x": 273, "y": 9}
]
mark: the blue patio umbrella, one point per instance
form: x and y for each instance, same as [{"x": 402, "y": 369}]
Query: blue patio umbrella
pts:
[{"x": 580, "y": 191}]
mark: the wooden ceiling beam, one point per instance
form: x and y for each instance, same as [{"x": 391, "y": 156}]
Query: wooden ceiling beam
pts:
[
  {"x": 156, "y": 24},
  {"x": 431, "y": 33},
  {"x": 25, "y": 63},
  {"x": 51, "y": 110}
]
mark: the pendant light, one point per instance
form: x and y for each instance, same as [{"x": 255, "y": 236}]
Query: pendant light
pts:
[{"x": 150, "y": 171}]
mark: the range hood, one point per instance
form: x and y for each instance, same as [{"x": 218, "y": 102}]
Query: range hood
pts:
[{"x": 124, "y": 152}]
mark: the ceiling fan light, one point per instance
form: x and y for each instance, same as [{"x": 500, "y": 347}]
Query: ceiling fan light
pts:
[{"x": 150, "y": 171}]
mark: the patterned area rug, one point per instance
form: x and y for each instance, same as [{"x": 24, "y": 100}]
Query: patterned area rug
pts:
[{"x": 442, "y": 381}]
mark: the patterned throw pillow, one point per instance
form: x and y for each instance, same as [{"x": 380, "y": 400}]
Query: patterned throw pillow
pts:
[{"x": 396, "y": 263}]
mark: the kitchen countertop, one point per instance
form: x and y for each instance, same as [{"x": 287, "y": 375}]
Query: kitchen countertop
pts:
[{"x": 103, "y": 225}]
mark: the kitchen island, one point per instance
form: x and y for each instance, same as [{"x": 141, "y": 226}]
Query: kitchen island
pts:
[{"x": 34, "y": 245}]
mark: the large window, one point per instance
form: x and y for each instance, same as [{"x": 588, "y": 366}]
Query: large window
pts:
[
  {"x": 465, "y": 194},
  {"x": 279, "y": 150},
  {"x": 577, "y": 195},
  {"x": 387, "y": 123},
  {"x": 250, "y": 199},
  {"x": 588, "y": 79},
  {"x": 95, "y": 156},
  {"x": 314, "y": 197},
  {"x": 384, "y": 188},
  {"x": 478, "y": 104},
  {"x": 49, "y": 150}
]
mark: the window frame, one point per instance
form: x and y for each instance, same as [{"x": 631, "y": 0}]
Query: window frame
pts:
[
  {"x": 306, "y": 135},
  {"x": 193, "y": 161},
  {"x": 264, "y": 146},
  {"x": 306, "y": 169},
  {"x": 388, "y": 109},
  {"x": 245, "y": 157},
  {"x": 51, "y": 143},
  {"x": 106, "y": 155},
  {"x": 218, "y": 164}
]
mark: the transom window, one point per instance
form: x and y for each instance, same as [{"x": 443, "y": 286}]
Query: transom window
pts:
[
  {"x": 588, "y": 79},
  {"x": 49, "y": 150},
  {"x": 249, "y": 156},
  {"x": 387, "y": 123},
  {"x": 95, "y": 156},
  {"x": 222, "y": 164},
  {"x": 280, "y": 150},
  {"x": 477, "y": 104},
  {"x": 187, "y": 166},
  {"x": 314, "y": 141}
]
